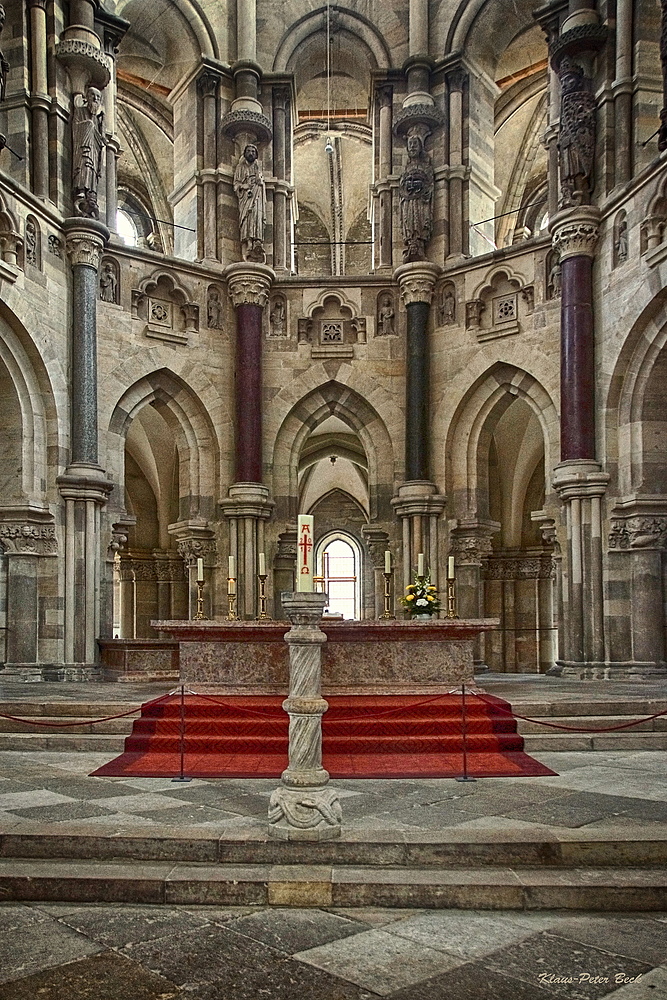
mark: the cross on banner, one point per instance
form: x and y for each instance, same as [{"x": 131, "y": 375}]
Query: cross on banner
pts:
[{"x": 305, "y": 549}]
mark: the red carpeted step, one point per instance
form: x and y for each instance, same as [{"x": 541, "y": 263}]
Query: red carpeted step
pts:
[{"x": 362, "y": 736}]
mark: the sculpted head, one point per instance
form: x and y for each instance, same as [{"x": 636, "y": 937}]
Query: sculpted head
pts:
[
  {"x": 414, "y": 146},
  {"x": 93, "y": 99},
  {"x": 250, "y": 153}
]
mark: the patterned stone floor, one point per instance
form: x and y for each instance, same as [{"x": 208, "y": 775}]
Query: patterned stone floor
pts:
[{"x": 113, "y": 952}]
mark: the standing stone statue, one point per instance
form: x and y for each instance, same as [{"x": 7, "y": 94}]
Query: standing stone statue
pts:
[
  {"x": 108, "y": 283},
  {"x": 448, "y": 308},
  {"x": 251, "y": 193},
  {"x": 416, "y": 195},
  {"x": 622, "y": 241},
  {"x": 214, "y": 310},
  {"x": 386, "y": 316},
  {"x": 88, "y": 144},
  {"x": 576, "y": 140},
  {"x": 4, "y": 65}
]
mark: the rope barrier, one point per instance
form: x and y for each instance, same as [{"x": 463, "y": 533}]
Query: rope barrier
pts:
[
  {"x": 84, "y": 722},
  {"x": 571, "y": 729}
]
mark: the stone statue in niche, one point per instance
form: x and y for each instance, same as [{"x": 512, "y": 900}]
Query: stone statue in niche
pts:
[
  {"x": 88, "y": 143},
  {"x": 576, "y": 139},
  {"x": 447, "y": 308},
  {"x": 251, "y": 193},
  {"x": 416, "y": 197},
  {"x": 31, "y": 255},
  {"x": 214, "y": 309},
  {"x": 554, "y": 278},
  {"x": 386, "y": 315},
  {"x": 621, "y": 247},
  {"x": 277, "y": 318},
  {"x": 4, "y": 65},
  {"x": 108, "y": 283}
]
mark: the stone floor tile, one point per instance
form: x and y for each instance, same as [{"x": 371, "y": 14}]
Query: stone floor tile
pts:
[
  {"x": 149, "y": 784},
  {"x": 632, "y": 937},
  {"x": 68, "y": 811},
  {"x": 116, "y": 926},
  {"x": 103, "y": 977},
  {"x": 373, "y": 916},
  {"x": 379, "y": 961},
  {"x": 651, "y": 986},
  {"x": 295, "y": 930},
  {"x": 577, "y": 972},
  {"x": 215, "y": 963},
  {"x": 231, "y": 800},
  {"x": 31, "y": 940},
  {"x": 473, "y": 981},
  {"x": 467, "y": 935},
  {"x": 189, "y": 815},
  {"x": 140, "y": 803},
  {"x": 86, "y": 788},
  {"x": 39, "y": 797},
  {"x": 573, "y": 810}
]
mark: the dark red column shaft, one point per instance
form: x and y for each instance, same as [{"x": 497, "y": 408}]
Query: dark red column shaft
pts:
[
  {"x": 577, "y": 368},
  {"x": 248, "y": 381}
]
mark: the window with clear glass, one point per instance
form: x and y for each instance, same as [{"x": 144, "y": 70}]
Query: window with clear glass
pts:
[
  {"x": 126, "y": 228},
  {"x": 339, "y": 570}
]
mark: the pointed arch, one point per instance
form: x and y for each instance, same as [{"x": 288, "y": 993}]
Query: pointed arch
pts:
[
  {"x": 334, "y": 399},
  {"x": 191, "y": 425},
  {"x": 347, "y": 20}
]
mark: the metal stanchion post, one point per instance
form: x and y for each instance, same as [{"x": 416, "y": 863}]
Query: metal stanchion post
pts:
[
  {"x": 464, "y": 776},
  {"x": 181, "y": 776}
]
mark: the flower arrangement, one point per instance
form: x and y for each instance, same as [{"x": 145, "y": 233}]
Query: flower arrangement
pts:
[{"x": 421, "y": 598}]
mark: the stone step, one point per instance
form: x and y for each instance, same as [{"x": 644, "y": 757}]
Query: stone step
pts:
[
  {"x": 66, "y": 743},
  {"x": 460, "y": 849},
  {"x": 658, "y": 725},
  {"x": 61, "y": 880},
  {"x": 55, "y": 726},
  {"x": 623, "y": 740}
]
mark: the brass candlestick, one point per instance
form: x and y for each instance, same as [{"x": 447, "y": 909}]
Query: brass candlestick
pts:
[
  {"x": 262, "y": 616},
  {"x": 451, "y": 598},
  {"x": 386, "y": 614},
  {"x": 200, "y": 616},
  {"x": 231, "y": 599}
]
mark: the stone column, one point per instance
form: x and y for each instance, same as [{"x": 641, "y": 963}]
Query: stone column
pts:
[
  {"x": 420, "y": 507},
  {"x": 84, "y": 486},
  {"x": 470, "y": 544},
  {"x": 662, "y": 135},
  {"x": 303, "y": 807},
  {"x": 247, "y": 508},
  {"x": 40, "y": 102},
  {"x": 383, "y": 189},
  {"x": 281, "y": 98},
  {"x": 457, "y": 170},
  {"x": 418, "y": 27},
  {"x": 622, "y": 90},
  {"x": 208, "y": 88},
  {"x": 417, "y": 282},
  {"x": 195, "y": 539},
  {"x": 114, "y": 30}
]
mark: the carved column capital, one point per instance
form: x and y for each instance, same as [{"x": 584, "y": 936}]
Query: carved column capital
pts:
[
  {"x": 84, "y": 242},
  {"x": 575, "y": 232},
  {"x": 416, "y": 281},
  {"x": 249, "y": 284},
  {"x": 207, "y": 83}
]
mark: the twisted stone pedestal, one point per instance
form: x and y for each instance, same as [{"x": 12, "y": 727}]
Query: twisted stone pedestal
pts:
[{"x": 303, "y": 807}]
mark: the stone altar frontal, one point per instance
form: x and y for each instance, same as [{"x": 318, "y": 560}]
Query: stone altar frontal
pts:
[{"x": 358, "y": 657}]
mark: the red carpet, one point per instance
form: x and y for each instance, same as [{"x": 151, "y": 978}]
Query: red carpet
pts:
[{"x": 363, "y": 736}]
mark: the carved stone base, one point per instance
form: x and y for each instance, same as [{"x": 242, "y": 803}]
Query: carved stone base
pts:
[{"x": 305, "y": 814}]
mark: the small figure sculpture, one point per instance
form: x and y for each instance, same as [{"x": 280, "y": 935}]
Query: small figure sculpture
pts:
[
  {"x": 386, "y": 316},
  {"x": 251, "y": 193},
  {"x": 576, "y": 140},
  {"x": 554, "y": 280},
  {"x": 31, "y": 242},
  {"x": 622, "y": 241},
  {"x": 447, "y": 308},
  {"x": 108, "y": 283},
  {"x": 88, "y": 143},
  {"x": 416, "y": 194},
  {"x": 4, "y": 65},
  {"x": 277, "y": 318},
  {"x": 214, "y": 310}
]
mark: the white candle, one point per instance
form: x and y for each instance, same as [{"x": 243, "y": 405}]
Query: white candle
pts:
[
  {"x": 450, "y": 568},
  {"x": 387, "y": 561},
  {"x": 200, "y": 570},
  {"x": 231, "y": 586},
  {"x": 420, "y": 564},
  {"x": 304, "y": 549},
  {"x": 262, "y": 564},
  {"x": 232, "y": 568}
]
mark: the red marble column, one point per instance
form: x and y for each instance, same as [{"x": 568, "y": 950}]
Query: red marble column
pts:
[
  {"x": 577, "y": 387},
  {"x": 248, "y": 387}
]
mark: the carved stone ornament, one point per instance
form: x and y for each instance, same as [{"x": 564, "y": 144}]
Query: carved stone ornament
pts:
[
  {"x": 520, "y": 568},
  {"x": 88, "y": 142},
  {"x": 416, "y": 200},
  {"x": 471, "y": 549},
  {"x": 639, "y": 533},
  {"x": 78, "y": 53},
  {"x": 575, "y": 239},
  {"x": 417, "y": 281},
  {"x": 143, "y": 570},
  {"x": 246, "y": 122},
  {"x": 84, "y": 250},
  {"x": 249, "y": 285},
  {"x": 576, "y": 138},
  {"x": 305, "y": 809},
  {"x": 33, "y": 539}
]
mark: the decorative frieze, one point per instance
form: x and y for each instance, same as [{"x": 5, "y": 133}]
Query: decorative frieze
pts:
[
  {"x": 28, "y": 539},
  {"x": 520, "y": 568},
  {"x": 648, "y": 532}
]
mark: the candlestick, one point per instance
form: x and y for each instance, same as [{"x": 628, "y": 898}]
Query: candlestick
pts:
[
  {"x": 420, "y": 564},
  {"x": 231, "y": 601},
  {"x": 262, "y": 616},
  {"x": 231, "y": 586},
  {"x": 451, "y": 599},
  {"x": 387, "y": 561},
  {"x": 200, "y": 616},
  {"x": 262, "y": 564},
  {"x": 232, "y": 568},
  {"x": 387, "y": 595},
  {"x": 200, "y": 570}
]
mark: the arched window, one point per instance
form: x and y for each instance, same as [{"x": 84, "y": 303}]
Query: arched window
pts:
[
  {"x": 126, "y": 228},
  {"x": 338, "y": 564}
]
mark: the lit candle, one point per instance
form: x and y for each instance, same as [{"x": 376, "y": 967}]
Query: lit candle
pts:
[
  {"x": 200, "y": 570},
  {"x": 387, "y": 561},
  {"x": 450, "y": 568},
  {"x": 232, "y": 568},
  {"x": 420, "y": 564},
  {"x": 231, "y": 586},
  {"x": 262, "y": 564},
  {"x": 304, "y": 548}
]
